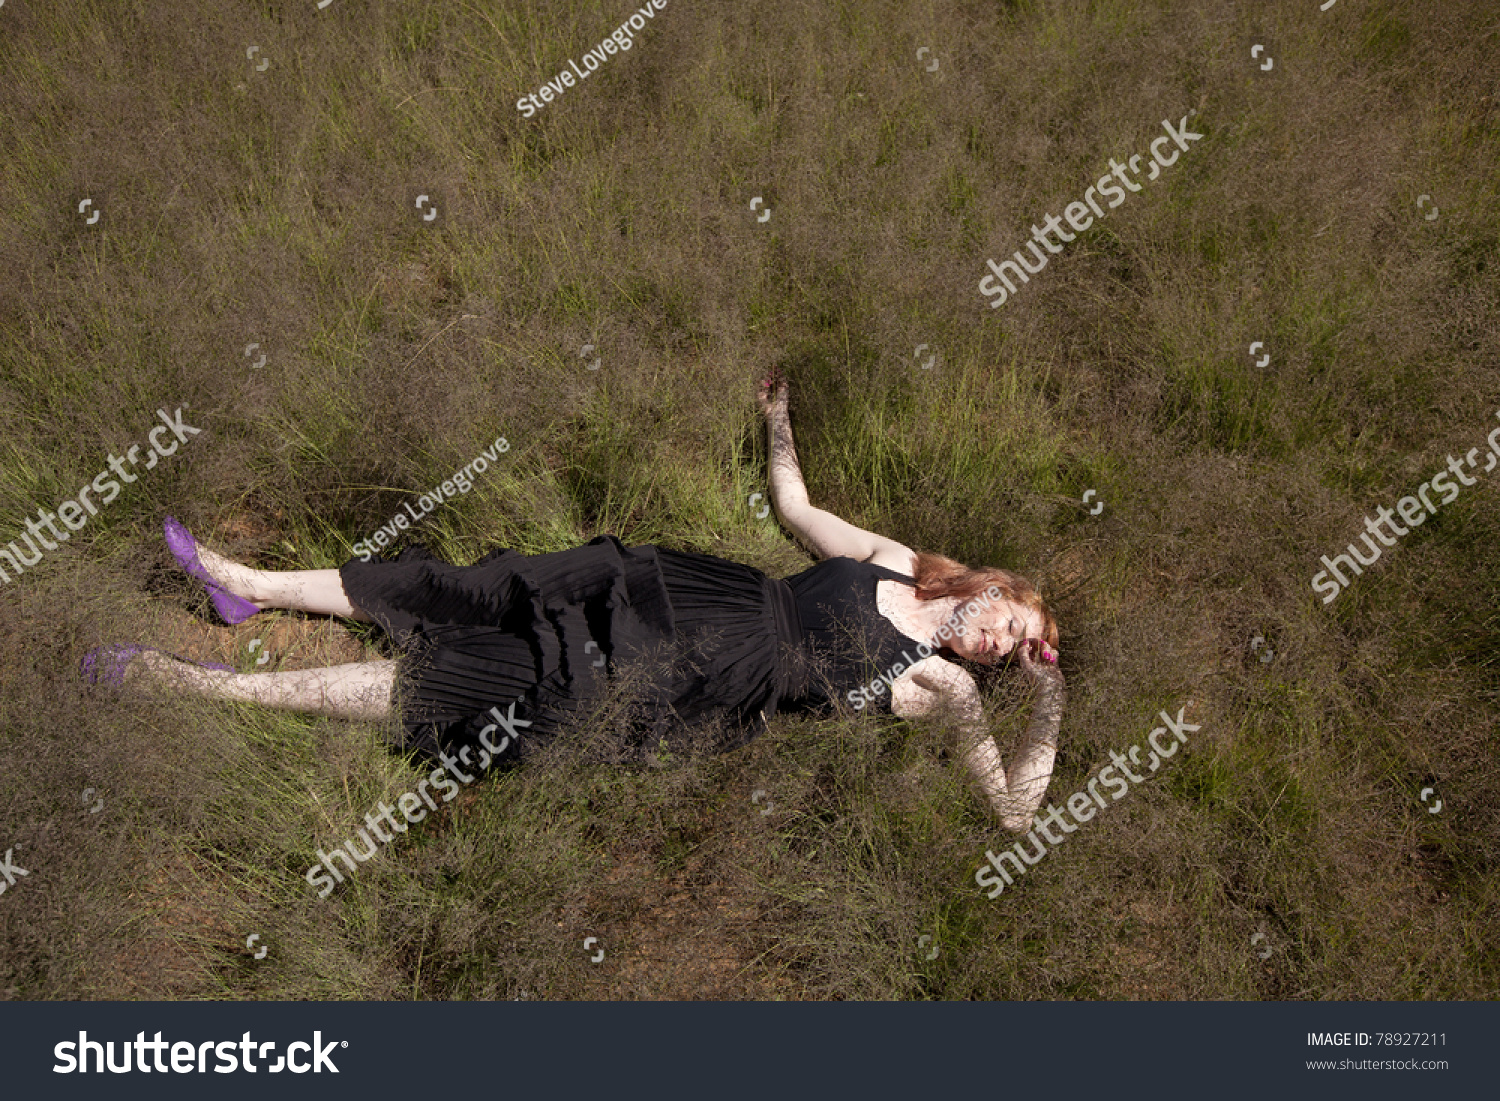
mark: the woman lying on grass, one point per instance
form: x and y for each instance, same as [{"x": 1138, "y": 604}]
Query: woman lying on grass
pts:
[{"x": 522, "y": 641}]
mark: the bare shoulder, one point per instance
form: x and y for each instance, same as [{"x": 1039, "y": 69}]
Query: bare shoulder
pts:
[
  {"x": 892, "y": 555},
  {"x": 925, "y": 685}
]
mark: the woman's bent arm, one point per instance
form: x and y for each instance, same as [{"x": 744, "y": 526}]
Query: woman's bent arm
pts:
[{"x": 1016, "y": 793}]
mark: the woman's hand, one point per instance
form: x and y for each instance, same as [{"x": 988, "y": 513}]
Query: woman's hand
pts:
[
  {"x": 772, "y": 393},
  {"x": 1040, "y": 662}
]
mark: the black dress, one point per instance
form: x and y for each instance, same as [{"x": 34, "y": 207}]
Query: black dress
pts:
[{"x": 706, "y": 649}]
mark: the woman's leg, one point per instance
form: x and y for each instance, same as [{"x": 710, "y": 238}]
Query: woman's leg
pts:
[
  {"x": 319, "y": 591},
  {"x": 359, "y": 690}
]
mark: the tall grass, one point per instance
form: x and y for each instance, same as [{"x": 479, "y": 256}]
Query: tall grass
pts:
[{"x": 277, "y": 207}]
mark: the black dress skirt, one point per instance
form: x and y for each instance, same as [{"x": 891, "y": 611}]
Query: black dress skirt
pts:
[{"x": 701, "y": 650}]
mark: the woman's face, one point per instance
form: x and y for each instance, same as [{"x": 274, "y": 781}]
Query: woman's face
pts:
[{"x": 994, "y": 631}]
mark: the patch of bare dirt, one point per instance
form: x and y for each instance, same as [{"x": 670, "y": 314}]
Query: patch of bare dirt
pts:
[{"x": 675, "y": 936}]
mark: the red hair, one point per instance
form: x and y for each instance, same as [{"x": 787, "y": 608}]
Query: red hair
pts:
[{"x": 937, "y": 576}]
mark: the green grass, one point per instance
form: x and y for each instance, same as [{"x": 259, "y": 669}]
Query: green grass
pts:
[{"x": 275, "y": 207}]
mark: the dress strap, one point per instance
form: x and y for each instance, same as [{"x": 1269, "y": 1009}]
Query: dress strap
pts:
[{"x": 890, "y": 574}]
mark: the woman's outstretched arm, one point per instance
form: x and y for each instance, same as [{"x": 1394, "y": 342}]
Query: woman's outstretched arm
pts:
[
  {"x": 827, "y": 535},
  {"x": 1015, "y": 793}
]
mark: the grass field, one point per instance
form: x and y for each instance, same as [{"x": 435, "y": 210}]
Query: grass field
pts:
[{"x": 1342, "y": 209}]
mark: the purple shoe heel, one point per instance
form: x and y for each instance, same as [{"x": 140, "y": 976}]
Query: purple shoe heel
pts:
[
  {"x": 184, "y": 548},
  {"x": 106, "y": 664}
]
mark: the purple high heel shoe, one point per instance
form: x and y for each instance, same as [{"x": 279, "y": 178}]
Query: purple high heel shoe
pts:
[
  {"x": 184, "y": 548},
  {"x": 106, "y": 664}
]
